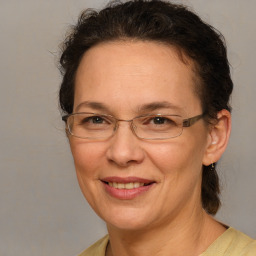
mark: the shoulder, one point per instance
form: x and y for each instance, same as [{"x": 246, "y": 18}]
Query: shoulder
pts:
[
  {"x": 232, "y": 242},
  {"x": 245, "y": 245},
  {"x": 97, "y": 249}
]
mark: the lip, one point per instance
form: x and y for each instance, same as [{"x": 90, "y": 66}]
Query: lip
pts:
[
  {"x": 127, "y": 194},
  {"x": 126, "y": 179}
]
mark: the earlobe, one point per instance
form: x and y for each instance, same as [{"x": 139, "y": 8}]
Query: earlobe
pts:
[{"x": 218, "y": 137}]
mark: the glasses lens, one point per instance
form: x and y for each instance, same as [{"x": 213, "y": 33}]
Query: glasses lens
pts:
[
  {"x": 90, "y": 126},
  {"x": 158, "y": 126}
]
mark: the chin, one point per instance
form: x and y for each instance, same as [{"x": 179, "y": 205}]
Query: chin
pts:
[
  {"x": 127, "y": 225},
  {"x": 127, "y": 219}
]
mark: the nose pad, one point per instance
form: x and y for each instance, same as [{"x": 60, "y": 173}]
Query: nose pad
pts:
[
  {"x": 125, "y": 147},
  {"x": 116, "y": 127},
  {"x": 134, "y": 129},
  {"x": 132, "y": 126}
]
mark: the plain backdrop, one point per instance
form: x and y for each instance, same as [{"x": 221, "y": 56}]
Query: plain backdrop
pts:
[{"x": 42, "y": 210}]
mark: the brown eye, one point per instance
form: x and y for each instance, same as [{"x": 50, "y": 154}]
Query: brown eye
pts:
[
  {"x": 93, "y": 120},
  {"x": 96, "y": 119},
  {"x": 159, "y": 120}
]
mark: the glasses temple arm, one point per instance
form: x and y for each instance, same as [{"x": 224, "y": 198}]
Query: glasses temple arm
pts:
[{"x": 190, "y": 121}]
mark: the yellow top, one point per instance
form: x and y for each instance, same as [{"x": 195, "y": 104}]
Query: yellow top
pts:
[{"x": 230, "y": 243}]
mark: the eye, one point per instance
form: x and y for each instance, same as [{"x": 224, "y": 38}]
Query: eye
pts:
[
  {"x": 95, "y": 119},
  {"x": 160, "y": 120}
]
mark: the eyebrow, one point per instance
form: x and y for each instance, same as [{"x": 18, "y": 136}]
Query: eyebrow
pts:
[
  {"x": 158, "y": 105},
  {"x": 142, "y": 108},
  {"x": 92, "y": 104}
]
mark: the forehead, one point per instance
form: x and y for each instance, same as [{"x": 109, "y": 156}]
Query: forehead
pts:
[{"x": 128, "y": 74}]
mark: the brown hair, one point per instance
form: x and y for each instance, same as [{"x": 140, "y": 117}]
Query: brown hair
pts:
[{"x": 163, "y": 22}]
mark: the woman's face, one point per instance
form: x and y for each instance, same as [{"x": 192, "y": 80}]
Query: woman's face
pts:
[{"x": 125, "y": 80}]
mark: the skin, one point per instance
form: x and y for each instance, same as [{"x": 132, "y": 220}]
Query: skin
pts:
[{"x": 123, "y": 76}]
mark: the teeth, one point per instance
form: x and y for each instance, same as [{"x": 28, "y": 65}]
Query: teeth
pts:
[
  {"x": 120, "y": 185},
  {"x": 130, "y": 185}
]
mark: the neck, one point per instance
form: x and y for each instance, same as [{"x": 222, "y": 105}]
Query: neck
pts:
[{"x": 191, "y": 236}]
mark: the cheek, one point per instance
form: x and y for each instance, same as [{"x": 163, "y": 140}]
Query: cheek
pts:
[
  {"x": 88, "y": 159},
  {"x": 88, "y": 156},
  {"x": 179, "y": 165},
  {"x": 177, "y": 157}
]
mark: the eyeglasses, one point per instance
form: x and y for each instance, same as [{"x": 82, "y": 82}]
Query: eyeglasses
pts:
[{"x": 149, "y": 127}]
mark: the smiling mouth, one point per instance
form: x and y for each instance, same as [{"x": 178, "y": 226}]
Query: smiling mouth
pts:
[
  {"x": 127, "y": 188},
  {"x": 130, "y": 185}
]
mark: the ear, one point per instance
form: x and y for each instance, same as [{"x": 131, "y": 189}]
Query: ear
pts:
[{"x": 218, "y": 138}]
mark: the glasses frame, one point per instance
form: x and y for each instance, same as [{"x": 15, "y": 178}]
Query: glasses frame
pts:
[{"x": 187, "y": 122}]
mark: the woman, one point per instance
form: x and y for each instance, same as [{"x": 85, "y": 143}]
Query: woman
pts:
[{"x": 145, "y": 92}]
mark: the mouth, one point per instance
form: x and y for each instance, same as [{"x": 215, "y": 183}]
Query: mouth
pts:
[
  {"x": 130, "y": 185},
  {"x": 126, "y": 188}
]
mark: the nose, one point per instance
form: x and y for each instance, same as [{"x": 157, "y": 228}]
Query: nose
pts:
[{"x": 125, "y": 148}]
